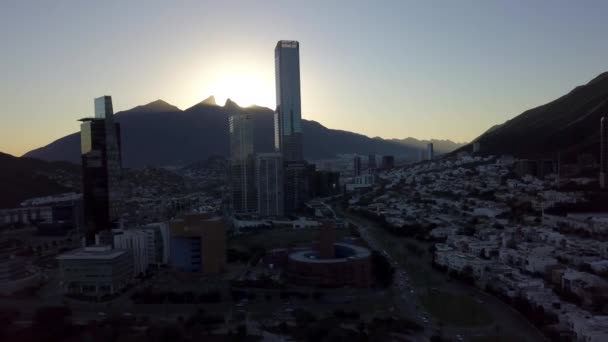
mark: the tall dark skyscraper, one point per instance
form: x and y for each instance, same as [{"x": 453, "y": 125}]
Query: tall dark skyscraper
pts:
[
  {"x": 242, "y": 164},
  {"x": 371, "y": 161},
  {"x": 297, "y": 179},
  {"x": 101, "y": 169},
  {"x": 288, "y": 116},
  {"x": 269, "y": 176},
  {"x": 357, "y": 166},
  {"x": 604, "y": 152},
  {"x": 288, "y": 125}
]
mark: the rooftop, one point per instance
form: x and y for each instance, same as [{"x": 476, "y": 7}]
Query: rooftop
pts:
[
  {"x": 312, "y": 256},
  {"x": 97, "y": 252}
]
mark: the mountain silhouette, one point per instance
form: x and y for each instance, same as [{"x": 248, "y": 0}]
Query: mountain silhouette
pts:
[
  {"x": 159, "y": 134},
  {"x": 569, "y": 125},
  {"x": 23, "y": 178}
]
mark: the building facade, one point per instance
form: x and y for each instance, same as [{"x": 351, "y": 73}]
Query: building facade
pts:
[
  {"x": 329, "y": 263},
  {"x": 430, "y": 153},
  {"x": 325, "y": 183},
  {"x": 242, "y": 164},
  {"x": 269, "y": 177},
  {"x": 357, "y": 166},
  {"x": 198, "y": 244},
  {"x": 95, "y": 271},
  {"x": 371, "y": 162},
  {"x": 297, "y": 185},
  {"x": 288, "y": 115},
  {"x": 101, "y": 169},
  {"x": 136, "y": 242}
]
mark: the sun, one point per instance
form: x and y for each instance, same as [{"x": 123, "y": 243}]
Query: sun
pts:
[{"x": 245, "y": 89}]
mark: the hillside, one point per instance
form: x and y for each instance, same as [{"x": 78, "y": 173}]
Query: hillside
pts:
[
  {"x": 159, "y": 134},
  {"x": 23, "y": 178},
  {"x": 568, "y": 125}
]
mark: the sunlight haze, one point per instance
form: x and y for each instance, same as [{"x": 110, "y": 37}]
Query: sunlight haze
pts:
[{"x": 440, "y": 69}]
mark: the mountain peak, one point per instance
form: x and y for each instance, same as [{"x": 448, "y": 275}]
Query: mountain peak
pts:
[
  {"x": 209, "y": 101},
  {"x": 231, "y": 104},
  {"x": 156, "y": 106}
]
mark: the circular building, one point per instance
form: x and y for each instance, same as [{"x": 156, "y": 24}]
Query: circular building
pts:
[{"x": 335, "y": 264}]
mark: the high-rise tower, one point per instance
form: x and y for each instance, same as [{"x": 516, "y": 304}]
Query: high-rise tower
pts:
[
  {"x": 101, "y": 169},
  {"x": 357, "y": 166},
  {"x": 288, "y": 115},
  {"x": 269, "y": 180},
  {"x": 242, "y": 164}
]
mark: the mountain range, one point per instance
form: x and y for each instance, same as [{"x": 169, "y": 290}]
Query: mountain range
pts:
[
  {"x": 23, "y": 178},
  {"x": 569, "y": 126},
  {"x": 159, "y": 133}
]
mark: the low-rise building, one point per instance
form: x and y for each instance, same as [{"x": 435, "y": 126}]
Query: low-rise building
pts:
[
  {"x": 198, "y": 244},
  {"x": 95, "y": 271}
]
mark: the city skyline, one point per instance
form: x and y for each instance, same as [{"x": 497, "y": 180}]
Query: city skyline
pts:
[{"x": 442, "y": 71}]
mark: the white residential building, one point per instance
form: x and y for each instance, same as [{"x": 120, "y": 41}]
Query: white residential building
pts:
[{"x": 135, "y": 241}]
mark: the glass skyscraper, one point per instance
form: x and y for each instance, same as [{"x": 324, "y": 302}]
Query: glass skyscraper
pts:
[
  {"x": 288, "y": 115},
  {"x": 101, "y": 169},
  {"x": 242, "y": 164}
]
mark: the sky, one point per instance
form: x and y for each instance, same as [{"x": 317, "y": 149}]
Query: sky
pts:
[{"x": 394, "y": 69}]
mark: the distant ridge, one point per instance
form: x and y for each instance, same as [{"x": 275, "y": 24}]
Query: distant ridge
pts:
[
  {"x": 209, "y": 101},
  {"x": 159, "y": 133},
  {"x": 23, "y": 178},
  {"x": 568, "y": 125},
  {"x": 156, "y": 106}
]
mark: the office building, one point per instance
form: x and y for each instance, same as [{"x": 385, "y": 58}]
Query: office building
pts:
[
  {"x": 362, "y": 182},
  {"x": 430, "y": 154},
  {"x": 198, "y": 244},
  {"x": 136, "y": 242},
  {"x": 371, "y": 162},
  {"x": 357, "y": 166},
  {"x": 157, "y": 242},
  {"x": 604, "y": 153},
  {"x": 288, "y": 115},
  {"x": 288, "y": 126},
  {"x": 269, "y": 176},
  {"x": 326, "y": 263},
  {"x": 95, "y": 271},
  {"x": 242, "y": 164},
  {"x": 325, "y": 183},
  {"x": 297, "y": 185},
  {"x": 101, "y": 169}
]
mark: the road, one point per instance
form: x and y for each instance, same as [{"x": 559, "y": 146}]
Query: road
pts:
[
  {"x": 506, "y": 319},
  {"x": 403, "y": 292}
]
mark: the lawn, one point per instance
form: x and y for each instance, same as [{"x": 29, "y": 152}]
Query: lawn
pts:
[
  {"x": 279, "y": 238},
  {"x": 458, "y": 310}
]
